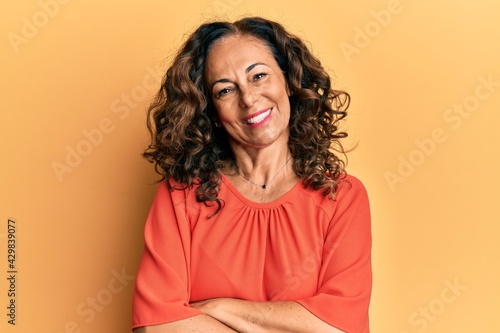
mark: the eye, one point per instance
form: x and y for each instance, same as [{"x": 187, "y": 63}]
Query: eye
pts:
[
  {"x": 223, "y": 92},
  {"x": 259, "y": 76}
]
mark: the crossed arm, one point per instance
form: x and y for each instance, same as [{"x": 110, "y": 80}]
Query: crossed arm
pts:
[
  {"x": 235, "y": 315},
  {"x": 342, "y": 296}
]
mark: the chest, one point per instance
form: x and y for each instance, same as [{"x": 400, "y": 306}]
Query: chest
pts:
[{"x": 258, "y": 254}]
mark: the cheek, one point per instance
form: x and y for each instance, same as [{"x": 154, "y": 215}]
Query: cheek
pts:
[
  {"x": 284, "y": 103},
  {"x": 279, "y": 93},
  {"x": 224, "y": 111}
]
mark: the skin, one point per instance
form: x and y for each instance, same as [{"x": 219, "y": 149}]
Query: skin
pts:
[{"x": 244, "y": 79}]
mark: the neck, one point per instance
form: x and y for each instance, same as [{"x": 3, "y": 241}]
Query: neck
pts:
[{"x": 262, "y": 169}]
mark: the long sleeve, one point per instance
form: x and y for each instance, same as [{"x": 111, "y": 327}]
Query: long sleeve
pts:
[
  {"x": 345, "y": 279},
  {"x": 277, "y": 238},
  {"x": 162, "y": 287}
]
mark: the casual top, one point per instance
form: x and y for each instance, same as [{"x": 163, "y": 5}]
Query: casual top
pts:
[{"x": 302, "y": 247}]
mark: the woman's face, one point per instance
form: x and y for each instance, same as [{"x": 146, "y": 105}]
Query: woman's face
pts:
[{"x": 249, "y": 92}]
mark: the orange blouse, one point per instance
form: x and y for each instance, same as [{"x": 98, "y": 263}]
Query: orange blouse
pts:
[{"x": 303, "y": 247}]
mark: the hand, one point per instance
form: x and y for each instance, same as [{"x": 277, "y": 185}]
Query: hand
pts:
[
  {"x": 226, "y": 310},
  {"x": 208, "y": 306}
]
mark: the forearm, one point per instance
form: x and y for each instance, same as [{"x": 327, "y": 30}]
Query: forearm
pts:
[
  {"x": 201, "y": 323},
  {"x": 247, "y": 316}
]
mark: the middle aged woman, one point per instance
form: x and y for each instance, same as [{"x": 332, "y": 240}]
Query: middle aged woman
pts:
[{"x": 255, "y": 227}]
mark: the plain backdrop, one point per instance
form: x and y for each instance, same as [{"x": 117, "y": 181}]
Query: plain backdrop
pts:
[{"x": 77, "y": 77}]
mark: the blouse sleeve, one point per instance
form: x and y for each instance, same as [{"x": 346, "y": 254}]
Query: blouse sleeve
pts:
[
  {"x": 161, "y": 292},
  {"x": 345, "y": 279}
]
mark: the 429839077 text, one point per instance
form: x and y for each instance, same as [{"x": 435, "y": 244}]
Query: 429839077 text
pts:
[{"x": 11, "y": 271}]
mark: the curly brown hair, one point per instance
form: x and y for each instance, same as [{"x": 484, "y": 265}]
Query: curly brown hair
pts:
[{"x": 189, "y": 149}]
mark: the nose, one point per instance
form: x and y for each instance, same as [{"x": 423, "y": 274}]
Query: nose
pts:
[{"x": 248, "y": 96}]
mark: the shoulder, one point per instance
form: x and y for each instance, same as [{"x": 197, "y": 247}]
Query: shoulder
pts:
[
  {"x": 352, "y": 202},
  {"x": 351, "y": 192},
  {"x": 350, "y": 186},
  {"x": 170, "y": 190}
]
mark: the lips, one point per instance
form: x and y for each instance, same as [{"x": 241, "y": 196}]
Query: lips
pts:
[{"x": 258, "y": 117}]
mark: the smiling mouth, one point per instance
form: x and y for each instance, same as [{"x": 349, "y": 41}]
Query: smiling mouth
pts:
[{"x": 258, "y": 118}]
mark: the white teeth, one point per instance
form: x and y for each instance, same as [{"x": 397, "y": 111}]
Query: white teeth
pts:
[{"x": 259, "y": 118}]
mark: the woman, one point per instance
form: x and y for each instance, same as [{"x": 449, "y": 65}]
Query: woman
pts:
[{"x": 255, "y": 227}]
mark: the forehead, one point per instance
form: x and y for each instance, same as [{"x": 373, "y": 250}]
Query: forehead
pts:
[{"x": 237, "y": 52}]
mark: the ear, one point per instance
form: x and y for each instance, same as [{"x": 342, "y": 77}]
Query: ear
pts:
[
  {"x": 289, "y": 92},
  {"x": 216, "y": 121}
]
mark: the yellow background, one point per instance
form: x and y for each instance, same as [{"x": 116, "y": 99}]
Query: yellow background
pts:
[{"x": 89, "y": 68}]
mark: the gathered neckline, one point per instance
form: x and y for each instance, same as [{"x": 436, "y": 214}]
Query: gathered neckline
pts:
[{"x": 262, "y": 205}]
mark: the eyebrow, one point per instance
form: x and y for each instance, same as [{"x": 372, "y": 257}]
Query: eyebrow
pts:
[{"x": 247, "y": 70}]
